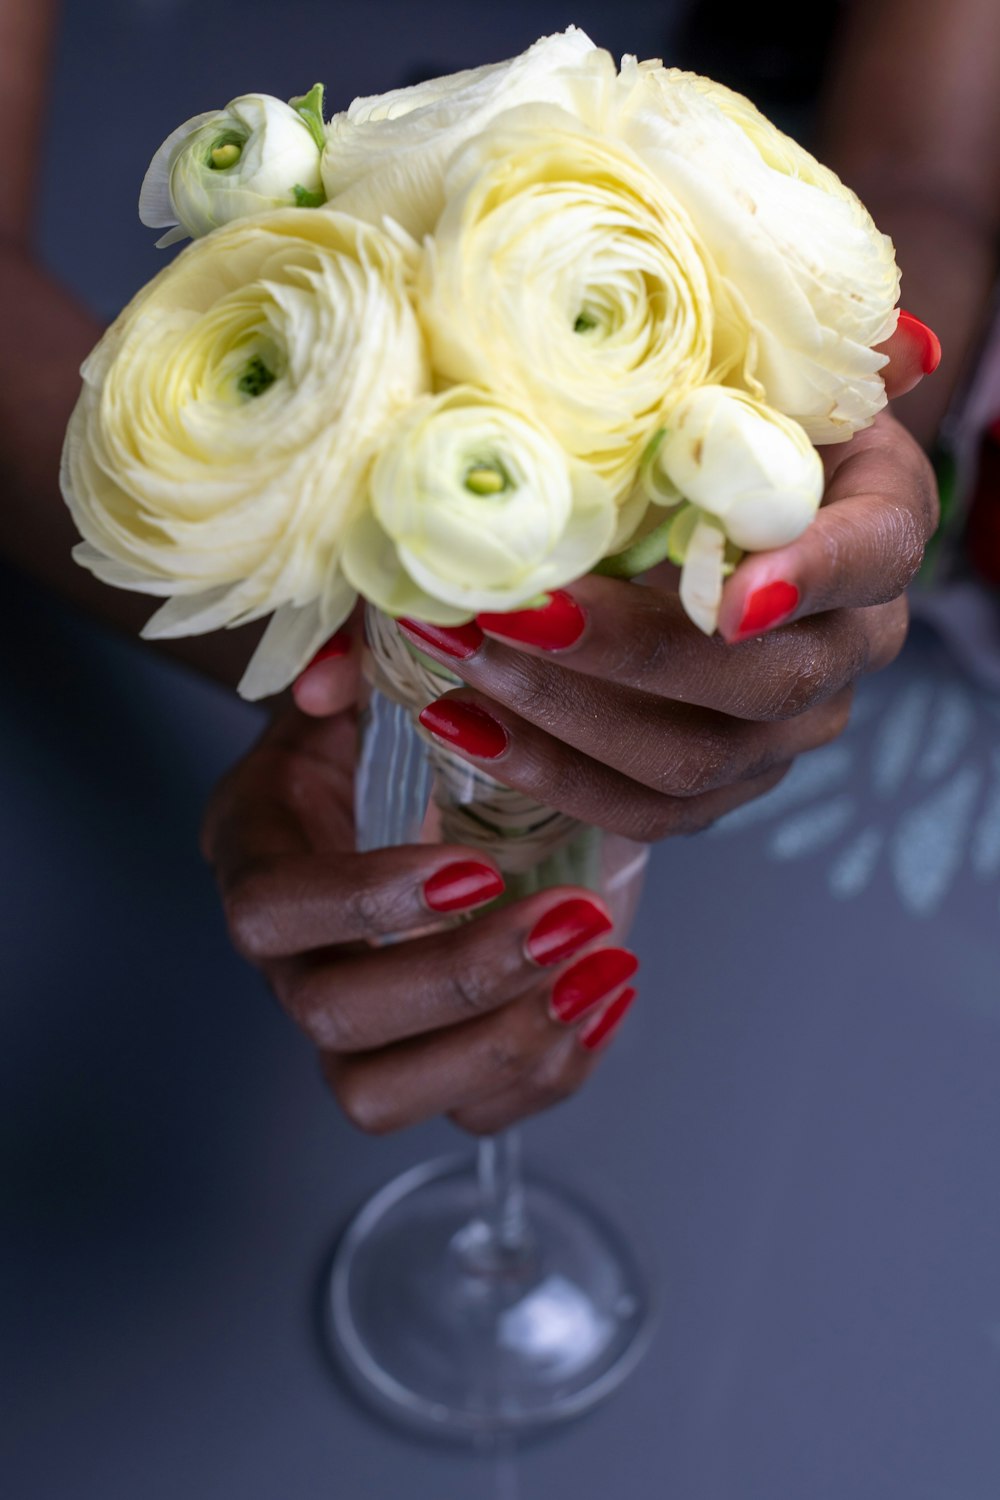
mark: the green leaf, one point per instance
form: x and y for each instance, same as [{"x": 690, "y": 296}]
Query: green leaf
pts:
[
  {"x": 310, "y": 107},
  {"x": 942, "y": 542}
]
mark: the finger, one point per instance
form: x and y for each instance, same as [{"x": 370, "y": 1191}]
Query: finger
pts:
[
  {"x": 281, "y": 905},
  {"x": 914, "y": 351},
  {"x": 277, "y": 833},
  {"x": 355, "y": 1002},
  {"x": 519, "y": 1053},
  {"x": 675, "y": 748},
  {"x": 640, "y": 637},
  {"x": 292, "y": 792},
  {"x": 628, "y": 637},
  {"x": 523, "y": 756},
  {"x": 546, "y": 1087},
  {"x": 329, "y": 683},
  {"x": 864, "y": 546},
  {"x": 670, "y": 747}
]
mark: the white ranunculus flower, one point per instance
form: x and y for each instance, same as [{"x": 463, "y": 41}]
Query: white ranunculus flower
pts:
[
  {"x": 227, "y": 419},
  {"x": 256, "y": 154},
  {"x": 750, "y": 478},
  {"x": 817, "y": 280},
  {"x": 564, "y": 278},
  {"x": 386, "y": 155},
  {"x": 742, "y": 462},
  {"x": 473, "y": 506}
]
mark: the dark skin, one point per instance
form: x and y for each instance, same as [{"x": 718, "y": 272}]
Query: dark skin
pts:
[
  {"x": 646, "y": 727},
  {"x": 459, "y": 1021}
]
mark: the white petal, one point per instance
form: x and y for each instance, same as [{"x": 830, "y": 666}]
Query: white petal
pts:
[
  {"x": 702, "y": 575},
  {"x": 156, "y": 208},
  {"x": 292, "y": 638}
]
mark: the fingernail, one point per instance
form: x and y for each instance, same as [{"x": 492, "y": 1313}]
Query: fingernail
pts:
[
  {"x": 461, "y": 885},
  {"x": 927, "y": 340},
  {"x": 337, "y": 645},
  {"x": 590, "y": 980},
  {"x": 466, "y": 726},
  {"x": 564, "y": 929},
  {"x": 555, "y": 626},
  {"x": 459, "y": 641},
  {"x": 601, "y": 1030},
  {"x": 768, "y": 606}
]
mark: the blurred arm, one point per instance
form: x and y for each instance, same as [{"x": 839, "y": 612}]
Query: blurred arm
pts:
[
  {"x": 46, "y": 336},
  {"x": 912, "y": 122}
]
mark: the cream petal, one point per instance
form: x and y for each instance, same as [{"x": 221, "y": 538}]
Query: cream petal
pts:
[
  {"x": 156, "y": 207},
  {"x": 372, "y": 563},
  {"x": 292, "y": 638},
  {"x": 703, "y": 573}
]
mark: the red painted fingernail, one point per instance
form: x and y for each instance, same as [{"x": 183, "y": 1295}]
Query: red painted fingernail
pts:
[
  {"x": 466, "y": 726},
  {"x": 461, "y": 885},
  {"x": 590, "y": 980},
  {"x": 768, "y": 606},
  {"x": 337, "y": 645},
  {"x": 555, "y": 626},
  {"x": 460, "y": 641},
  {"x": 607, "y": 1023},
  {"x": 925, "y": 338},
  {"x": 565, "y": 928}
]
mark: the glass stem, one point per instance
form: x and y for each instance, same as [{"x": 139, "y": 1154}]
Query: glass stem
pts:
[{"x": 501, "y": 1193}]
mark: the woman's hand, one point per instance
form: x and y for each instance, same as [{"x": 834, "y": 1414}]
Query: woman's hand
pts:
[
  {"x": 487, "y": 1021},
  {"x": 612, "y": 706},
  {"x": 608, "y": 704}
]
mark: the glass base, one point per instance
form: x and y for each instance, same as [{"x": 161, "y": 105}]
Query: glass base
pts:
[{"x": 444, "y": 1334}]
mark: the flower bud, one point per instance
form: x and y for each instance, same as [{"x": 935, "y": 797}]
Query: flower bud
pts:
[
  {"x": 256, "y": 154},
  {"x": 748, "y": 466}
]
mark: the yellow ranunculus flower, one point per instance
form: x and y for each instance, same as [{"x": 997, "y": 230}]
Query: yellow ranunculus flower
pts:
[
  {"x": 817, "y": 282},
  {"x": 473, "y": 506},
  {"x": 226, "y": 420},
  {"x": 563, "y": 277},
  {"x": 387, "y": 154}
]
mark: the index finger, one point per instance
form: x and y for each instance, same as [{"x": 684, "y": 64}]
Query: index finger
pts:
[{"x": 279, "y": 836}]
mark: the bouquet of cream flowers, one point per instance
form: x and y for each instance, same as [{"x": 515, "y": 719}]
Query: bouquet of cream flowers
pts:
[{"x": 467, "y": 341}]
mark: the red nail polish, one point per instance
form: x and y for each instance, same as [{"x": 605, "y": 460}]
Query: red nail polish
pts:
[
  {"x": 564, "y": 929},
  {"x": 466, "y": 726},
  {"x": 459, "y": 641},
  {"x": 337, "y": 645},
  {"x": 555, "y": 626},
  {"x": 590, "y": 980},
  {"x": 459, "y": 886},
  {"x": 767, "y": 606},
  {"x": 601, "y": 1030},
  {"x": 926, "y": 339}
]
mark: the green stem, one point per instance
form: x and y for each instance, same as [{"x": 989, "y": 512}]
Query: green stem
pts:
[{"x": 644, "y": 554}]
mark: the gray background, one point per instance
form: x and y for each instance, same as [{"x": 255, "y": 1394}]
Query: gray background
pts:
[{"x": 800, "y": 1119}]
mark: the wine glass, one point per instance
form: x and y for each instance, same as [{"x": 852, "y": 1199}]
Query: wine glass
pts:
[{"x": 468, "y": 1299}]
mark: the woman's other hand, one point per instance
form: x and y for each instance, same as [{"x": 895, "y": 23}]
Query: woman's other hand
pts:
[{"x": 487, "y": 1021}]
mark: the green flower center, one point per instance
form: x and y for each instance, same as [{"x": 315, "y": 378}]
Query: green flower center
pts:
[
  {"x": 487, "y": 479},
  {"x": 585, "y": 323},
  {"x": 225, "y": 151},
  {"x": 256, "y": 377}
]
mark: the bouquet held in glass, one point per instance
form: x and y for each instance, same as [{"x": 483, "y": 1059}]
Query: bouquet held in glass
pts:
[{"x": 444, "y": 354}]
